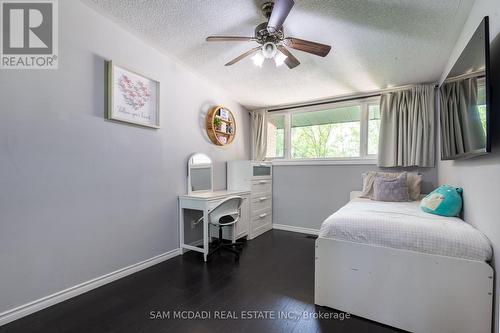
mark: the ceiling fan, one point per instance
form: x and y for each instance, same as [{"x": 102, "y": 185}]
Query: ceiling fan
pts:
[{"x": 272, "y": 40}]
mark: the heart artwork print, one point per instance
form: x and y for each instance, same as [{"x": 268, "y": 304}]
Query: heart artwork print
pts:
[
  {"x": 135, "y": 93},
  {"x": 132, "y": 97}
]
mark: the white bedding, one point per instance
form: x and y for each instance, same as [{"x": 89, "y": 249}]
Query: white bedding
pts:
[{"x": 403, "y": 225}]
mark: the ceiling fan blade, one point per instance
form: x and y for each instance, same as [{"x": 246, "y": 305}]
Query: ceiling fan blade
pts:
[
  {"x": 279, "y": 14},
  {"x": 244, "y": 55},
  {"x": 290, "y": 60},
  {"x": 229, "y": 39},
  {"x": 307, "y": 46}
]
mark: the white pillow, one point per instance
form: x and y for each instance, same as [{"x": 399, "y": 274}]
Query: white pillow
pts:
[{"x": 413, "y": 178}]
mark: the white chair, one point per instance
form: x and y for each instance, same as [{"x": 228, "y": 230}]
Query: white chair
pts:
[{"x": 225, "y": 214}]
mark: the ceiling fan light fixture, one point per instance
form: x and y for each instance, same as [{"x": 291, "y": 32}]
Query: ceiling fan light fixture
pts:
[
  {"x": 279, "y": 59},
  {"x": 269, "y": 50},
  {"x": 258, "y": 59},
  {"x": 273, "y": 44}
]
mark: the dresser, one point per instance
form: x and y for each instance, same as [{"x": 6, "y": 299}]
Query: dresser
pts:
[{"x": 256, "y": 177}]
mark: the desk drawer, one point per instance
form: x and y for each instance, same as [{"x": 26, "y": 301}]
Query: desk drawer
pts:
[
  {"x": 263, "y": 185},
  {"x": 212, "y": 204},
  {"x": 261, "y": 201}
]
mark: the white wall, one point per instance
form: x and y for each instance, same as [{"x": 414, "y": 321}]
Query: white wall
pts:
[
  {"x": 81, "y": 196},
  {"x": 304, "y": 196},
  {"x": 480, "y": 177}
]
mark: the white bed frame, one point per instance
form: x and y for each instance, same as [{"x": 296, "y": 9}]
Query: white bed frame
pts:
[{"x": 409, "y": 290}]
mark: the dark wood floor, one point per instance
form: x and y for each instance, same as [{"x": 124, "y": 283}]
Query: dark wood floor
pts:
[{"x": 275, "y": 273}]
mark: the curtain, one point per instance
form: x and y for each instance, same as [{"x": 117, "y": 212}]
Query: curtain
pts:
[
  {"x": 407, "y": 128},
  {"x": 259, "y": 134},
  {"x": 461, "y": 129}
]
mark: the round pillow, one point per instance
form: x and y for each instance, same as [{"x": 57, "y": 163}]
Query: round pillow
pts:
[{"x": 445, "y": 201}]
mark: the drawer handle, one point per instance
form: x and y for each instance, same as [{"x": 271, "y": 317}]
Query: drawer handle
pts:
[
  {"x": 263, "y": 215},
  {"x": 262, "y": 198},
  {"x": 262, "y": 182}
]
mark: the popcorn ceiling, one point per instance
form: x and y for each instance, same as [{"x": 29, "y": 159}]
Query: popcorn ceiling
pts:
[{"x": 375, "y": 44}]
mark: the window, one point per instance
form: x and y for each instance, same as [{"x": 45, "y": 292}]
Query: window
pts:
[
  {"x": 373, "y": 128},
  {"x": 326, "y": 133},
  {"x": 343, "y": 130},
  {"x": 481, "y": 101},
  {"x": 275, "y": 136}
]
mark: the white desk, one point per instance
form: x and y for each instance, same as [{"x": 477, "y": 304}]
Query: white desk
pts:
[{"x": 205, "y": 202}]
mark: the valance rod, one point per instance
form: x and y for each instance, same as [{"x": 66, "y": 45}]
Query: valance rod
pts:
[
  {"x": 477, "y": 74},
  {"x": 344, "y": 98}
]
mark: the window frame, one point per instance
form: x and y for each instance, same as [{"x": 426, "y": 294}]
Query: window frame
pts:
[
  {"x": 363, "y": 158},
  {"x": 370, "y": 156},
  {"x": 276, "y": 115}
]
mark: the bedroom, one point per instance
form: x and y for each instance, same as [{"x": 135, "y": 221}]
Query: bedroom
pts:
[{"x": 94, "y": 192}]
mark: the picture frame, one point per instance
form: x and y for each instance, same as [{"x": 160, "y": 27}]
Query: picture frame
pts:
[{"x": 132, "y": 97}]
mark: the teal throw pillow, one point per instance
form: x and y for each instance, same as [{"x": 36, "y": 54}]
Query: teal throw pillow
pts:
[{"x": 445, "y": 201}]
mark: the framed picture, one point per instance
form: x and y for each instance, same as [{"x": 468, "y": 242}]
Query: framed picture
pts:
[
  {"x": 224, "y": 114},
  {"x": 132, "y": 97}
]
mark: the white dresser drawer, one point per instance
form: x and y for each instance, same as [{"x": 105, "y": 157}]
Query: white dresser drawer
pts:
[
  {"x": 262, "y": 170},
  {"x": 261, "y": 217},
  {"x": 256, "y": 177},
  {"x": 261, "y": 201},
  {"x": 262, "y": 185}
]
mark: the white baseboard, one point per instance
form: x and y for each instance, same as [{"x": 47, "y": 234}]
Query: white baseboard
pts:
[
  {"x": 42, "y": 303},
  {"x": 259, "y": 231},
  {"x": 302, "y": 230}
]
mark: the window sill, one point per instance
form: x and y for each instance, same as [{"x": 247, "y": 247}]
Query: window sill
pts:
[{"x": 351, "y": 161}]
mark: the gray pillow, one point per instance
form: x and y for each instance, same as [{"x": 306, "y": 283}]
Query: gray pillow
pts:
[
  {"x": 391, "y": 189},
  {"x": 414, "y": 180}
]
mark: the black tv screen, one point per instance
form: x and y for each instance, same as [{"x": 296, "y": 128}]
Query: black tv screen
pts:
[{"x": 465, "y": 101}]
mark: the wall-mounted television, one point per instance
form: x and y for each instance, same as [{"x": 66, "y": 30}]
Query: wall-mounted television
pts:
[{"x": 465, "y": 101}]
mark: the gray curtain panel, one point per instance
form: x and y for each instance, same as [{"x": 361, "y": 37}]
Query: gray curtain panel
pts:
[
  {"x": 407, "y": 130},
  {"x": 259, "y": 134},
  {"x": 461, "y": 129}
]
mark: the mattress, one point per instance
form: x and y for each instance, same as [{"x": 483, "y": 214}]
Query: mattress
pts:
[{"x": 403, "y": 225}]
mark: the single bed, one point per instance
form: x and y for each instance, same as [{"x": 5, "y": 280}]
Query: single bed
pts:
[{"x": 393, "y": 263}]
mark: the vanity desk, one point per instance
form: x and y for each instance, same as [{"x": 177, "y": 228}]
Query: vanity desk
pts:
[
  {"x": 204, "y": 202},
  {"x": 194, "y": 207}
]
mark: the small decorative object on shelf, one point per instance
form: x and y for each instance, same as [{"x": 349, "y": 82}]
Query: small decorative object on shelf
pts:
[
  {"x": 217, "y": 123},
  {"x": 221, "y": 125},
  {"x": 224, "y": 114},
  {"x": 222, "y": 139}
]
